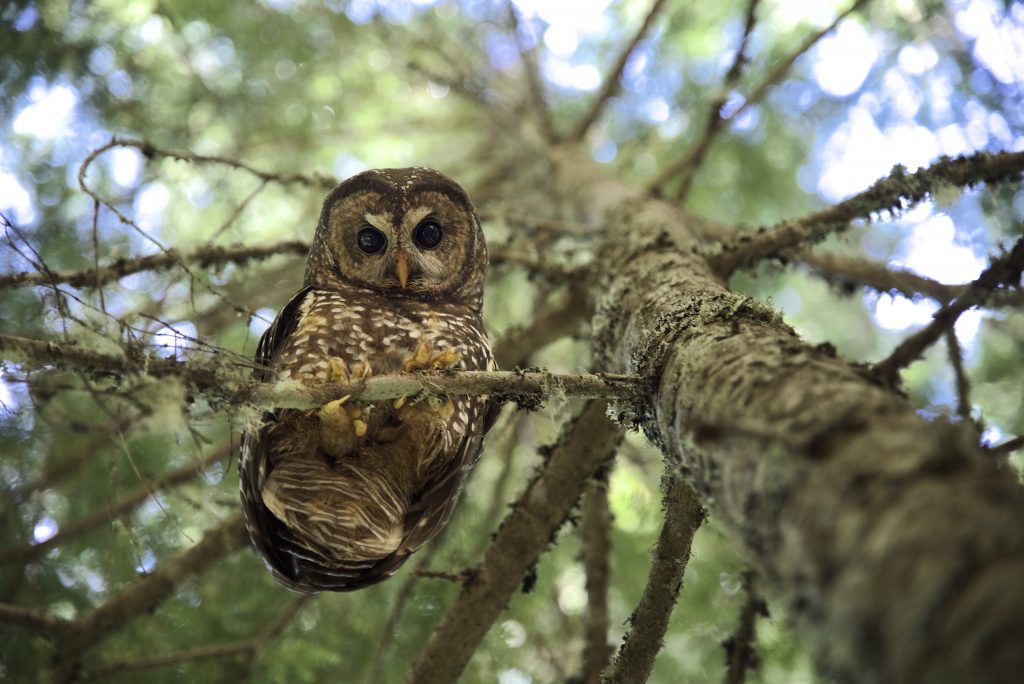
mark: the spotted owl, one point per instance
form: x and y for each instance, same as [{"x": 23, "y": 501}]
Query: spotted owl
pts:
[{"x": 337, "y": 498}]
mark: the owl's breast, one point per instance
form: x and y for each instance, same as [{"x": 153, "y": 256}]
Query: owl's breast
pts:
[{"x": 378, "y": 332}]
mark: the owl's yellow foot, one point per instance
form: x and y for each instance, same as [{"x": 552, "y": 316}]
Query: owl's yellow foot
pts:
[
  {"x": 340, "y": 427},
  {"x": 424, "y": 358},
  {"x": 338, "y": 371}
]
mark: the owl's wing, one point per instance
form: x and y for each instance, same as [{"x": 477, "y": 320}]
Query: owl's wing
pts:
[
  {"x": 272, "y": 340},
  {"x": 429, "y": 512},
  {"x": 254, "y": 465}
]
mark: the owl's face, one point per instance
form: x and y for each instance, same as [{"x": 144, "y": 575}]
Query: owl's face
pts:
[{"x": 406, "y": 232}]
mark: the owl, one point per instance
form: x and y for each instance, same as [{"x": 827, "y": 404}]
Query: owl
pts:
[{"x": 337, "y": 498}]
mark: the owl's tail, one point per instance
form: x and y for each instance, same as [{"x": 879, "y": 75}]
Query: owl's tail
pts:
[{"x": 350, "y": 512}]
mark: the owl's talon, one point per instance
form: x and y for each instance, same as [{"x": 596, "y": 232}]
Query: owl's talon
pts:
[
  {"x": 400, "y": 401},
  {"x": 359, "y": 427},
  {"x": 445, "y": 359},
  {"x": 333, "y": 408},
  {"x": 419, "y": 359},
  {"x": 338, "y": 371},
  {"x": 446, "y": 410},
  {"x": 424, "y": 358}
]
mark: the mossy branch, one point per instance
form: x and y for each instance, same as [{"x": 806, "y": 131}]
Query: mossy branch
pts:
[
  {"x": 1004, "y": 270},
  {"x": 896, "y": 192},
  {"x": 227, "y": 381},
  {"x": 205, "y": 256},
  {"x": 586, "y": 443},
  {"x": 642, "y": 642}
]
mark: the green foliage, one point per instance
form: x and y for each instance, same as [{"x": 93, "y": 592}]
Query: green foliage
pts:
[{"x": 293, "y": 86}]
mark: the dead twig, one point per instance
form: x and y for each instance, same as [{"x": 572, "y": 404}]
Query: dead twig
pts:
[{"x": 1004, "y": 270}]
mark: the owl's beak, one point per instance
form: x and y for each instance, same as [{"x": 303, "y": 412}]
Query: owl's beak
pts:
[{"x": 402, "y": 268}]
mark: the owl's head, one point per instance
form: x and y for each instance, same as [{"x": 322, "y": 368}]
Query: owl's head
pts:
[{"x": 404, "y": 232}]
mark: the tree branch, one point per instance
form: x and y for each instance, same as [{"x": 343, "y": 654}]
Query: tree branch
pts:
[
  {"x": 148, "y": 592},
  {"x": 610, "y": 85},
  {"x": 527, "y": 387},
  {"x": 930, "y": 549},
  {"x": 683, "y": 517},
  {"x": 693, "y": 155},
  {"x": 149, "y": 150},
  {"x": 531, "y": 69},
  {"x": 596, "y": 520},
  {"x": 114, "y": 510},
  {"x": 1004, "y": 270},
  {"x": 739, "y": 647},
  {"x": 714, "y": 121},
  {"x": 247, "y": 647},
  {"x": 878, "y": 276},
  {"x": 35, "y": 620},
  {"x": 898, "y": 191},
  {"x": 963, "y": 382},
  {"x": 206, "y": 256},
  {"x": 586, "y": 443}
]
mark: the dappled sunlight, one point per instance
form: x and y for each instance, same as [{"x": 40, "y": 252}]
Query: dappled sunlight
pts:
[{"x": 737, "y": 153}]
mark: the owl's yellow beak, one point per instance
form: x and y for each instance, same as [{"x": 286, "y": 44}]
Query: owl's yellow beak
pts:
[{"x": 402, "y": 268}]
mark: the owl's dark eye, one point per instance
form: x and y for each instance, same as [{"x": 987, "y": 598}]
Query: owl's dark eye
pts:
[
  {"x": 371, "y": 240},
  {"x": 428, "y": 234}
]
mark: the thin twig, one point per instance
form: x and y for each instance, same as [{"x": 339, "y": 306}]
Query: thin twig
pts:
[
  {"x": 115, "y": 142},
  {"x": 444, "y": 576},
  {"x": 528, "y": 56},
  {"x": 1004, "y": 270},
  {"x": 739, "y": 647},
  {"x": 205, "y": 256},
  {"x": 963, "y": 383},
  {"x": 683, "y": 516},
  {"x": 596, "y": 520},
  {"x": 714, "y": 120},
  {"x": 96, "y": 252},
  {"x": 610, "y": 85},
  {"x": 756, "y": 94},
  {"x": 897, "y": 191},
  {"x": 149, "y": 150},
  {"x": 248, "y": 646},
  {"x": 1007, "y": 447},
  {"x": 116, "y": 509},
  {"x": 146, "y": 593},
  {"x": 230, "y": 220},
  {"x": 586, "y": 443},
  {"x": 402, "y": 598}
]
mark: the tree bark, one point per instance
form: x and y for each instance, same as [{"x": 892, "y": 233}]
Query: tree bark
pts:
[{"x": 895, "y": 541}]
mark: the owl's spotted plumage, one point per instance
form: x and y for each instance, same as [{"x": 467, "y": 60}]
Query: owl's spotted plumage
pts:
[{"x": 338, "y": 498}]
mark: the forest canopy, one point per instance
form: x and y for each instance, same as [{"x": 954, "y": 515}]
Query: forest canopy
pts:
[{"x": 728, "y": 241}]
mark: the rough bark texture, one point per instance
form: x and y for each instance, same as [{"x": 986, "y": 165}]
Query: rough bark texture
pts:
[
  {"x": 587, "y": 441},
  {"x": 895, "y": 541},
  {"x": 683, "y": 516}
]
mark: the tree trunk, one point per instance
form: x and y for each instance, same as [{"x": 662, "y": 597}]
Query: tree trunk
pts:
[{"x": 895, "y": 541}]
